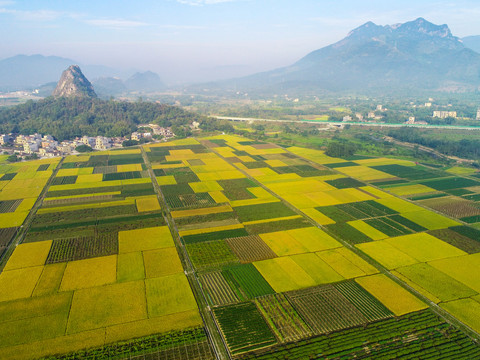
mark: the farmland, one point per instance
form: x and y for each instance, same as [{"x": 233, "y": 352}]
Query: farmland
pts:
[
  {"x": 93, "y": 247},
  {"x": 305, "y": 253}
]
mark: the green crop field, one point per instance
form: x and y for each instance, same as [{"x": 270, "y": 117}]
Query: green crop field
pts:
[{"x": 226, "y": 245}]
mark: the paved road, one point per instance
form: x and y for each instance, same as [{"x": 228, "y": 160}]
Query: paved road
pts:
[{"x": 367, "y": 124}]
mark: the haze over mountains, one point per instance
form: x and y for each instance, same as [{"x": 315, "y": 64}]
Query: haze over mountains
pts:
[
  {"x": 410, "y": 56},
  {"x": 24, "y": 72},
  {"x": 416, "y": 55}
]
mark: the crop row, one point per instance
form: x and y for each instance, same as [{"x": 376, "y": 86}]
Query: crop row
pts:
[
  {"x": 84, "y": 247},
  {"x": 243, "y": 327},
  {"x": 420, "y": 335}
]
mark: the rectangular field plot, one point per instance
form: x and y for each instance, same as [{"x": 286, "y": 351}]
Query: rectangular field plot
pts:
[
  {"x": 169, "y": 295},
  {"x": 162, "y": 262},
  {"x": 460, "y": 241},
  {"x": 393, "y": 296},
  {"x": 282, "y": 243},
  {"x": 83, "y": 247},
  {"x": 284, "y": 274},
  {"x": 314, "y": 239},
  {"x": 430, "y": 220},
  {"x": 87, "y": 273},
  {"x": 466, "y": 310},
  {"x": 368, "y": 230},
  {"x": 113, "y": 304},
  {"x": 147, "y": 204},
  {"x": 216, "y": 235},
  {"x": 250, "y": 248},
  {"x": 144, "y": 239},
  {"x": 424, "y": 247},
  {"x": 316, "y": 268},
  {"x": 275, "y": 225},
  {"x": 451, "y": 183},
  {"x": 348, "y": 233},
  {"x": 346, "y": 263},
  {"x": 386, "y": 254},
  {"x": 420, "y": 335},
  {"x": 461, "y": 269},
  {"x": 217, "y": 289},
  {"x": 404, "y": 190},
  {"x": 211, "y": 254},
  {"x": 130, "y": 267},
  {"x": 244, "y": 328},
  {"x": 27, "y": 255},
  {"x": 263, "y": 211},
  {"x": 436, "y": 282},
  {"x": 247, "y": 281},
  {"x": 344, "y": 183},
  {"x": 19, "y": 283},
  {"x": 325, "y": 309},
  {"x": 409, "y": 172},
  {"x": 453, "y": 206},
  {"x": 370, "y": 307},
  {"x": 287, "y": 323}
]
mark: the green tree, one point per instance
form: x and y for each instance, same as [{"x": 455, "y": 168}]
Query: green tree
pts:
[{"x": 83, "y": 148}]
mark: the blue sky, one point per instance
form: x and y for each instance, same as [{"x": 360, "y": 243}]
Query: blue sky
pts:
[{"x": 195, "y": 39}]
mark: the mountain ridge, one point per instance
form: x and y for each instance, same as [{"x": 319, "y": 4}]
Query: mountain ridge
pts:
[{"x": 416, "y": 55}]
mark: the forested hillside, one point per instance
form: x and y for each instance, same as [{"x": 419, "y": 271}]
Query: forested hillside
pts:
[{"x": 66, "y": 118}]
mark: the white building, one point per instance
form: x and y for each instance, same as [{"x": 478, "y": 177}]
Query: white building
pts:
[
  {"x": 30, "y": 147},
  {"x": 89, "y": 141},
  {"x": 4, "y": 139},
  {"x": 21, "y": 139},
  {"x": 444, "y": 114},
  {"x": 478, "y": 114},
  {"x": 347, "y": 118},
  {"x": 136, "y": 136},
  {"x": 102, "y": 143}
]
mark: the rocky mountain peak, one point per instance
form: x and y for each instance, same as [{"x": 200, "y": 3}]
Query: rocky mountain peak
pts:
[{"x": 73, "y": 83}]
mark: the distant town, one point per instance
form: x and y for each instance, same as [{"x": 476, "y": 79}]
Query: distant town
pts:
[{"x": 45, "y": 146}]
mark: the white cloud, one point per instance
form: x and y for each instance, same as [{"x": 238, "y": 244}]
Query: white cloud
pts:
[
  {"x": 37, "y": 15},
  {"x": 116, "y": 23}
]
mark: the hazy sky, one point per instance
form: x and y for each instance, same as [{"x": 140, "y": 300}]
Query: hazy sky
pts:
[{"x": 190, "y": 39}]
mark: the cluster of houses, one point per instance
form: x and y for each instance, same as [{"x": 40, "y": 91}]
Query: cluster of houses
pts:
[{"x": 47, "y": 146}]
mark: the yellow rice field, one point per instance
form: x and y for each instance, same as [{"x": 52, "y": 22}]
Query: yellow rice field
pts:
[{"x": 390, "y": 294}]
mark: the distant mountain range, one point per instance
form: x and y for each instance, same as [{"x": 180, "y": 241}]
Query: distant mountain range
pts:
[
  {"x": 23, "y": 72},
  {"x": 411, "y": 57},
  {"x": 416, "y": 55},
  {"x": 472, "y": 42}
]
